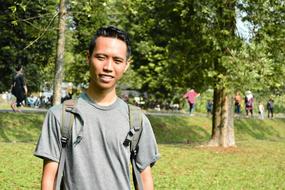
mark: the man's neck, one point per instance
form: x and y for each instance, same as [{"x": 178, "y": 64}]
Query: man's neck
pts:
[{"x": 102, "y": 97}]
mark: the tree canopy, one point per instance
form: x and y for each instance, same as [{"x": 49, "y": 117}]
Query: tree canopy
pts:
[
  {"x": 176, "y": 44},
  {"x": 27, "y": 38}
]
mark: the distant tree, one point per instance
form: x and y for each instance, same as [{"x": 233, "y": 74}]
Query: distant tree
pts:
[
  {"x": 195, "y": 44},
  {"x": 59, "y": 66}
]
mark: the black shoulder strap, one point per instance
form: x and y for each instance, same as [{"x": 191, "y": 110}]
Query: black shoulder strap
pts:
[
  {"x": 132, "y": 139},
  {"x": 67, "y": 120}
]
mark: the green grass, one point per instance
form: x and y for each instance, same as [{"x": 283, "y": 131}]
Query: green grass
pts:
[
  {"x": 19, "y": 169},
  {"x": 256, "y": 163},
  {"x": 251, "y": 166},
  {"x": 20, "y": 127}
]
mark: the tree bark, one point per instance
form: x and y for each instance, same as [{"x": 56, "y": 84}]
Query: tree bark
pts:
[
  {"x": 59, "y": 67},
  {"x": 222, "y": 121}
]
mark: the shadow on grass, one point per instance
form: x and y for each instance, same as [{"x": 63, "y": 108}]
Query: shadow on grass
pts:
[
  {"x": 197, "y": 130},
  {"x": 20, "y": 127},
  {"x": 25, "y": 127},
  {"x": 175, "y": 129},
  {"x": 261, "y": 129}
]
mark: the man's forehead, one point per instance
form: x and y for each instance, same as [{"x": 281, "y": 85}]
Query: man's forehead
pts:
[
  {"x": 107, "y": 38},
  {"x": 110, "y": 44}
]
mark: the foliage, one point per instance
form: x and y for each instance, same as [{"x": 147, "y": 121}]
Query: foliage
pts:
[
  {"x": 176, "y": 44},
  {"x": 86, "y": 17},
  {"x": 195, "y": 44},
  {"x": 179, "y": 42},
  {"x": 27, "y": 37},
  {"x": 266, "y": 19}
]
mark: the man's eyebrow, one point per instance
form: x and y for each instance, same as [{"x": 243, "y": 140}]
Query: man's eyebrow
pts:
[
  {"x": 120, "y": 58},
  {"x": 96, "y": 54}
]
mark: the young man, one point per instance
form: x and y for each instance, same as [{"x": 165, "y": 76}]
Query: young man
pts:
[{"x": 98, "y": 159}]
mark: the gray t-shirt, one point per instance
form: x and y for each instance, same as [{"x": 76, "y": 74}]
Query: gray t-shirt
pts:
[{"x": 97, "y": 159}]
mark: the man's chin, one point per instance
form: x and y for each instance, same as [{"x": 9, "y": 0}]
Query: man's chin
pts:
[{"x": 104, "y": 86}]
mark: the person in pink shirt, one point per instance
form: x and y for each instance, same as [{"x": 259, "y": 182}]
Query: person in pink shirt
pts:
[{"x": 191, "y": 97}]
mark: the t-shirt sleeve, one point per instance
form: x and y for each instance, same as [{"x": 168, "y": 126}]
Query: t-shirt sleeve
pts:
[
  {"x": 148, "y": 151},
  {"x": 48, "y": 146}
]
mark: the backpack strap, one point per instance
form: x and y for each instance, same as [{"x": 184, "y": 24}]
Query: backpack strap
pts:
[
  {"x": 67, "y": 120},
  {"x": 132, "y": 139}
]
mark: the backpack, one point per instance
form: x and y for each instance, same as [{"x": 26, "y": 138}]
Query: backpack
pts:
[{"x": 132, "y": 139}]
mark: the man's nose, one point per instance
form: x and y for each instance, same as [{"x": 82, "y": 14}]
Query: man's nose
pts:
[{"x": 108, "y": 66}]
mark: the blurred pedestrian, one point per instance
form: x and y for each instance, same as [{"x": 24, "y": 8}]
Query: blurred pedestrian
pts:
[
  {"x": 249, "y": 103},
  {"x": 261, "y": 110},
  {"x": 18, "y": 89},
  {"x": 237, "y": 103},
  {"x": 270, "y": 106},
  {"x": 191, "y": 97},
  {"x": 209, "y": 107}
]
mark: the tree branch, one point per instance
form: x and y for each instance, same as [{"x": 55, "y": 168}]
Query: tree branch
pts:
[{"x": 45, "y": 30}]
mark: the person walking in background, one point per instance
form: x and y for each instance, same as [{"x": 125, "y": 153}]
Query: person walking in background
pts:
[
  {"x": 99, "y": 153},
  {"x": 261, "y": 110},
  {"x": 209, "y": 107},
  {"x": 237, "y": 103},
  {"x": 18, "y": 89},
  {"x": 191, "y": 98},
  {"x": 248, "y": 103},
  {"x": 270, "y": 106}
]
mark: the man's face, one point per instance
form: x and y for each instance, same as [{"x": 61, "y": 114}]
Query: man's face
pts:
[{"x": 107, "y": 63}]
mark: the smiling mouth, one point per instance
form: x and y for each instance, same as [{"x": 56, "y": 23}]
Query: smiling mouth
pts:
[{"x": 106, "y": 78}]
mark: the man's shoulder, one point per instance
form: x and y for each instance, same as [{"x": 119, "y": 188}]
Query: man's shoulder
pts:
[{"x": 55, "y": 109}]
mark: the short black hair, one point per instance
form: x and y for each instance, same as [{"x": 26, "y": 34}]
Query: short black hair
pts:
[
  {"x": 113, "y": 32},
  {"x": 18, "y": 67}
]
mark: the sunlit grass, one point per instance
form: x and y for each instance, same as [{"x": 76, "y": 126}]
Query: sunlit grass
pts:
[
  {"x": 20, "y": 127},
  {"x": 253, "y": 165},
  {"x": 19, "y": 170}
]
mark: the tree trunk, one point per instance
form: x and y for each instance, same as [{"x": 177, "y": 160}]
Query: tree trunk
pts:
[
  {"x": 59, "y": 67},
  {"x": 223, "y": 122}
]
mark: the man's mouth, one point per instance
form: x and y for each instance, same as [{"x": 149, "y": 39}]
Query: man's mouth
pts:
[{"x": 106, "y": 78}]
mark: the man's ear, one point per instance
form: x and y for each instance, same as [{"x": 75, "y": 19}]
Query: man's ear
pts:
[
  {"x": 129, "y": 61},
  {"x": 88, "y": 57}
]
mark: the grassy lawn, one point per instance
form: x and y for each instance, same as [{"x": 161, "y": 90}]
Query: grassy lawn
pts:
[{"x": 256, "y": 163}]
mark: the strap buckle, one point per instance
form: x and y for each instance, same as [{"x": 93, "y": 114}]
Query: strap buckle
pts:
[{"x": 64, "y": 141}]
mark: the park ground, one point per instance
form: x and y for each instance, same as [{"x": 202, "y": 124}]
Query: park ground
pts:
[{"x": 256, "y": 163}]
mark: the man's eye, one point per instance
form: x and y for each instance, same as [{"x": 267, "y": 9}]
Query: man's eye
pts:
[
  {"x": 101, "y": 58},
  {"x": 118, "y": 61}
]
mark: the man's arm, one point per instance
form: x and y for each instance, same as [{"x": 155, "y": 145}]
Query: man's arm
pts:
[
  {"x": 26, "y": 89},
  {"x": 49, "y": 175},
  {"x": 147, "y": 180}
]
